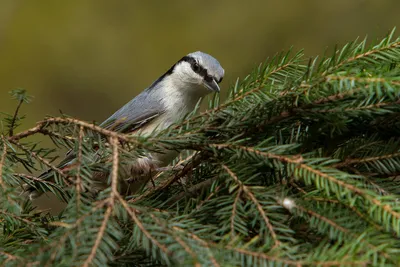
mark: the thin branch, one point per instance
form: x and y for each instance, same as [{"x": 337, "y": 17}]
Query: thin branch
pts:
[
  {"x": 271, "y": 259},
  {"x": 353, "y": 208},
  {"x": 324, "y": 219},
  {"x": 14, "y": 119},
  {"x": 300, "y": 165},
  {"x": 39, "y": 126},
  {"x": 177, "y": 239},
  {"x": 60, "y": 242},
  {"x": 197, "y": 160},
  {"x": 33, "y": 178},
  {"x": 247, "y": 191},
  {"x": 364, "y": 160},
  {"x": 32, "y": 224},
  {"x": 234, "y": 210},
  {"x": 192, "y": 190},
  {"x": 352, "y": 188},
  {"x": 111, "y": 200},
  {"x": 367, "y": 80},
  {"x": 294, "y": 159},
  {"x": 204, "y": 243},
  {"x": 42, "y": 124},
  {"x": 216, "y": 190},
  {"x": 363, "y": 55},
  {"x": 2, "y": 162},
  {"x": 340, "y": 228},
  {"x": 41, "y": 159},
  {"x": 78, "y": 182},
  {"x": 136, "y": 220}
]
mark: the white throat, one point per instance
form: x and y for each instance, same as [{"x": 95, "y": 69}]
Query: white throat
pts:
[{"x": 181, "y": 94}]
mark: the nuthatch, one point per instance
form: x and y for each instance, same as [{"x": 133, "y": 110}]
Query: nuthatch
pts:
[{"x": 165, "y": 102}]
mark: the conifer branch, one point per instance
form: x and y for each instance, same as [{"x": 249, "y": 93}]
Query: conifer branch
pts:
[
  {"x": 78, "y": 181},
  {"x": 363, "y": 56},
  {"x": 364, "y": 160},
  {"x": 234, "y": 207},
  {"x": 287, "y": 262},
  {"x": 14, "y": 119},
  {"x": 294, "y": 143},
  {"x": 39, "y": 158},
  {"x": 246, "y": 191},
  {"x": 136, "y": 220},
  {"x": 111, "y": 200},
  {"x": 240, "y": 94},
  {"x": 204, "y": 243},
  {"x": 2, "y": 162}
]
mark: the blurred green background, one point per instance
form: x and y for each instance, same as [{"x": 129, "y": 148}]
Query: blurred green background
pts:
[{"x": 89, "y": 57}]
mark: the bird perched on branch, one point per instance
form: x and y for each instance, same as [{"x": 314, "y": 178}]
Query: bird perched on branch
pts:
[{"x": 165, "y": 102}]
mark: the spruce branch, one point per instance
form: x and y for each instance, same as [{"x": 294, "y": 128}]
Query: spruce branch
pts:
[
  {"x": 2, "y": 162},
  {"x": 78, "y": 181},
  {"x": 14, "y": 119},
  {"x": 298, "y": 167},
  {"x": 136, "y": 220},
  {"x": 260, "y": 209},
  {"x": 110, "y": 200}
]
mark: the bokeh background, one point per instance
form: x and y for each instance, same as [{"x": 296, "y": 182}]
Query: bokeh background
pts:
[{"x": 89, "y": 57}]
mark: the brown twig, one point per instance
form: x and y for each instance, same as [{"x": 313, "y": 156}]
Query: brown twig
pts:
[
  {"x": 364, "y": 160},
  {"x": 294, "y": 159},
  {"x": 2, "y": 161},
  {"x": 299, "y": 263},
  {"x": 111, "y": 200},
  {"x": 42, "y": 124},
  {"x": 78, "y": 182}
]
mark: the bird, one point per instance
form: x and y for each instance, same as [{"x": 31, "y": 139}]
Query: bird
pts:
[{"x": 166, "y": 101}]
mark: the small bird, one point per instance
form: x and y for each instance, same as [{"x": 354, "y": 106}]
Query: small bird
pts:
[{"x": 163, "y": 103}]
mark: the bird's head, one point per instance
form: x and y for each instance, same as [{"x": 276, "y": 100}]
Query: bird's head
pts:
[{"x": 200, "y": 71}]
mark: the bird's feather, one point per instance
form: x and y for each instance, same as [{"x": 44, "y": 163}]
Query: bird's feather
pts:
[
  {"x": 134, "y": 115},
  {"x": 138, "y": 112}
]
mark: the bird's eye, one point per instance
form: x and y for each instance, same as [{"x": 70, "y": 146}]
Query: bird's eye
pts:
[{"x": 196, "y": 67}]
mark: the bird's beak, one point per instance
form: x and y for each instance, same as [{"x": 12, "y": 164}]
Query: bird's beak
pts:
[{"x": 211, "y": 85}]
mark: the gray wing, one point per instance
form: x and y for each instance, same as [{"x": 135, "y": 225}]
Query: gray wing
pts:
[{"x": 138, "y": 112}]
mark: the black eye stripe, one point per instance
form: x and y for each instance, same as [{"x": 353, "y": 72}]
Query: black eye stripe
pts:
[{"x": 198, "y": 69}]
